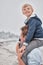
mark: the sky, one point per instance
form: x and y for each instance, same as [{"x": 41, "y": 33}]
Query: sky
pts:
[{"x": 11, "y": 17}]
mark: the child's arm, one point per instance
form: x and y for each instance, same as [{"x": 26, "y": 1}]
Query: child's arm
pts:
[
  {"x": 20, "y": 61},
  {"x": 17, "y": 47},
  {"x": 22, "y": 48},
  {"x": 31, "y": 31}
]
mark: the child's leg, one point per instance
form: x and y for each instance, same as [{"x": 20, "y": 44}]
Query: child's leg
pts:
[{"x": 32, "y": 45}]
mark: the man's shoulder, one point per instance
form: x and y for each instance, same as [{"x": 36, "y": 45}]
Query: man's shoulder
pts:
[{"x": 36, "y": 19}]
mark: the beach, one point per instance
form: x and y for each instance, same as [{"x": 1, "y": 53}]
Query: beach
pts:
[{"x": 8, "y": 54}]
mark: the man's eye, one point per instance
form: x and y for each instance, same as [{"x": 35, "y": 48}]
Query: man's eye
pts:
[
  {"x": 28, "y": 8},
  {"x": 24, "y": 9}
]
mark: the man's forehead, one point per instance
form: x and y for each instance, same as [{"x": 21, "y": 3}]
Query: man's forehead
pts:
[{"x": 26, "y": 5}]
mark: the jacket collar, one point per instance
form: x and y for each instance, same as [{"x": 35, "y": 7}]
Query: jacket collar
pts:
[{"x": 33, "y": 15}]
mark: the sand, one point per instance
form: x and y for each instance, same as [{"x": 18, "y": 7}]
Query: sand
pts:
[{"x": 8, "y": 54}]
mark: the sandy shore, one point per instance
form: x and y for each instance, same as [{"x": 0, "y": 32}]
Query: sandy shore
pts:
[{"x": 8, "y": 54}]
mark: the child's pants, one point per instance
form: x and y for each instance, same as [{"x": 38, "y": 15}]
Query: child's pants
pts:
[
  {"x": 34, "y": 57},
  {"x": 32, "y": 45}
]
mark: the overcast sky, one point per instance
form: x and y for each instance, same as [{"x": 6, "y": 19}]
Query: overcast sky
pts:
[{"x": 11, "y": 18}]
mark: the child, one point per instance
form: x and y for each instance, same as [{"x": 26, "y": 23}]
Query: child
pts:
[
  {"x": 35, "y": 31},
  {"x": 24, "y": 31},
  {"x": 23, "y": 34}
]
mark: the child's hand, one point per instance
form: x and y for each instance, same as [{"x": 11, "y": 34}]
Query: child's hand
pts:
[
  {"x": 20, "y": 54},
  {"x": 22, "y": 48}
]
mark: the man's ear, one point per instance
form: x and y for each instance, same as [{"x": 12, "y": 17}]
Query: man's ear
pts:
[{"x": 32, "y": 9}]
